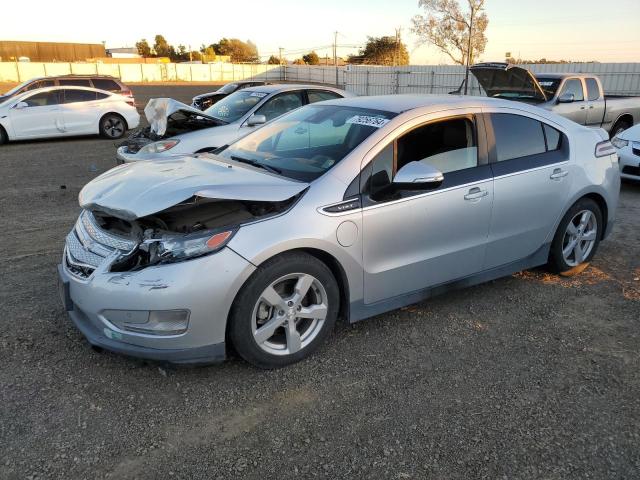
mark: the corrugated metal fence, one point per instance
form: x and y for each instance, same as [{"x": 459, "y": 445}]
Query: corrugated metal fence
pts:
[{"x": 618, "y": 78}]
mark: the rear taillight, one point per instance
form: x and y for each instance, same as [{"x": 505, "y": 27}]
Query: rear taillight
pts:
[
  {"x": 604, "y": 149},
  {"x": 131, "y": 102}
]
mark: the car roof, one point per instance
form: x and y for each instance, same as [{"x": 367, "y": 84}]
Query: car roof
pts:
[
  {"x": 283, "y": 87},
  {"x": 559, "y": 76},
  {"x": 400, "y": 103}
]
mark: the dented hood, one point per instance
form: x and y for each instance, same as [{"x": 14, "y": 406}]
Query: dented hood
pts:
[
  {"x": 135, "y": 190},
  {"x": 159, "y": 110},
  {"x": 506, "y": 80}
]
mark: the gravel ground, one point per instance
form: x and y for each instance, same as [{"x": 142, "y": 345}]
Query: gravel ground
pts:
[{"x": 530, "y": 376}]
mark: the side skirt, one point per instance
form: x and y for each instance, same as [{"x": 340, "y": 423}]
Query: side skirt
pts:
[{"x": 360, "y": 311}]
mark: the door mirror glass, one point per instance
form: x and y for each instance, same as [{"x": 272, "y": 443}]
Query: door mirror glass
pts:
[
  {"x": 566, "y": 98},
  {"x": 418, "y": 175},
  {"x": 255, "y": 120},
  {"x": 21, "y": 105}
]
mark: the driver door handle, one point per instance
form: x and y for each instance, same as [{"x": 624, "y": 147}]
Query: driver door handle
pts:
[
  {"x": 558, "y": 174},
  {"x": 476, "y": 194}
]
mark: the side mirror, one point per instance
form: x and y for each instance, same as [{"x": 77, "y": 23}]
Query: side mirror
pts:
[
  {"x": 255, "y": 120},
  {"x": 566, "y": 98},
  {"x": 20, "y": 105},
  {"x": 418, "y": 176}
]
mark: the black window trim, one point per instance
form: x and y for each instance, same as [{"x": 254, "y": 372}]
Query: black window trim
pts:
[{"x": 529, "y": 162}]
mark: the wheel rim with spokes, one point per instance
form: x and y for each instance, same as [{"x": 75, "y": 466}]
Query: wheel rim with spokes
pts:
[
  {"x": 579, "y": 238},
  {"x": 289, "y": 314},
  {"x": 113, "y": 127}
]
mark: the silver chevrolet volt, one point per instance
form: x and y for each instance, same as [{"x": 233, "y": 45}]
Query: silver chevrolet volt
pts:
[{"x": 343, "y": 209}]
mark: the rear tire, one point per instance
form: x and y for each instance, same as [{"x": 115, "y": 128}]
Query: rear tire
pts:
[
  {"x": 619, "y": 127},
  {"x": 113, "y": 126},
  {"x": 285, "y": 311},
  {"x": 577, "y": 238}
]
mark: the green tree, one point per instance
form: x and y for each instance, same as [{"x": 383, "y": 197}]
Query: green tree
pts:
[
  {"x": 311, "y": 58},
  {"x": 144, "y": 50},
  {"x": 162, "y": 48},
  {"x": 273, "y": 60},
  {"x": 299, "y": 61},
  {"x": 446, "y": 26},
  {"x": 383, "y": 51},
  {"x": 239, "y": 51}
]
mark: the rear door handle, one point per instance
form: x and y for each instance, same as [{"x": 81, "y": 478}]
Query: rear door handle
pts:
[
  {"x": 558, "y": 174},
  {"x": 476, "y": 194}
]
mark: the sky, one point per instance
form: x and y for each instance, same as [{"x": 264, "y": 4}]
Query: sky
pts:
[{"x": 578, "y": 30}]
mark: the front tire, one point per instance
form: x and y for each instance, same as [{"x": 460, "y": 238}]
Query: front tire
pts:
[
  {"x": 113, "y": 126},
  {"x": 285, "y": 311},
  {"x": 3, "y": 136},
  {"x": 577, "y": 238}
]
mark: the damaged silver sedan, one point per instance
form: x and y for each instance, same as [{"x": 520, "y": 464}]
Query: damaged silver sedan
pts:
[{"x": 343, "y": 209}]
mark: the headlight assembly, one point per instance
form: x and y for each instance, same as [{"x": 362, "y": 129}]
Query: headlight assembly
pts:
[
  {"x": 175, "y": 248},
  {"x": 159, "y": 147},
  {"x": 619, "y": 142}
]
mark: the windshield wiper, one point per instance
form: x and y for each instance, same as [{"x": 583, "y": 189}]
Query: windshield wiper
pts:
[{"x": 255, "y": 163}]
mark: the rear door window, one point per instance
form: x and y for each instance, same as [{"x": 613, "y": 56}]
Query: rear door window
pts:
[
  {"x": 71, "y": 95},
  {"x": 321, "y": 95},
  {"x": 517, "y": 136},
  {"x": 106, "y": 84},
  {"x": 76, "y": 82}
]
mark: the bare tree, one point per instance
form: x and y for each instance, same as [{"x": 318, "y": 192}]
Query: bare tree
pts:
[{"x": 457, "y": 33}]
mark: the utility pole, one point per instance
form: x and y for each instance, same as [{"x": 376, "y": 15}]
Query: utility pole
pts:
[
  {"x": 396, "y": 57},
  {"x": 466, "y": 75},
  {"x": 281, "y": 49},
  {"x": 335, "y": 53}
]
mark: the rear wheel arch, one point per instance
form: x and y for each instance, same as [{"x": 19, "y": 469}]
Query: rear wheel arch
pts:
[
  {"x": 624, "y": 119},
  {"x": 4, "y": 136},
  {"x": 604, "y": 209}
]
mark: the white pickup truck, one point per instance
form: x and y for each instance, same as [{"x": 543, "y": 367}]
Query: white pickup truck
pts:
[{"x": 578, "y": 97}]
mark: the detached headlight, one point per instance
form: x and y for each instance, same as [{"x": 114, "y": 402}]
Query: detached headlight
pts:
[
  {"x": 175, "y": 248},
  {"x": 159, "y": 147},
  {"x": 619, "y": 142}
]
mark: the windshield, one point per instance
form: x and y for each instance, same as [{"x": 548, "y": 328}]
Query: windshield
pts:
[
  {"x": 235, "y": 106},
  {"x": 228, "y": 88},
  {"x": 549, "y": 85},
  {"x": 307, "y": 142}
]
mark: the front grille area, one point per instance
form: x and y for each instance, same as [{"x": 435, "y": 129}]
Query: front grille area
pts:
[
  {"x": 88, "y": 246},
  {"x": 629, "y": 170}
]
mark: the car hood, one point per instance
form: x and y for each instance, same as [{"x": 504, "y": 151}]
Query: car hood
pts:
[
  {"x": 135, "y": 190},
  {"x": 159, "y": 111},
  {"x": 210, "y": 95},
  {"x": 502, "y": 79}
]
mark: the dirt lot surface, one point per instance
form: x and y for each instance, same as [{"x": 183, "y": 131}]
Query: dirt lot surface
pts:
[{"x": 531, "y": 376}]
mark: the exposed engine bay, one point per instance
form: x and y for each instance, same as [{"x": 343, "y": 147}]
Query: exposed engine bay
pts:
[
  {"x": 181, "y": 222},
  {"x": 168, "y": 118}
]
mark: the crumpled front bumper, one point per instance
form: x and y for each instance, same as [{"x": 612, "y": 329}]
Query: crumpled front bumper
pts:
[{"x": 205, "y": 287}]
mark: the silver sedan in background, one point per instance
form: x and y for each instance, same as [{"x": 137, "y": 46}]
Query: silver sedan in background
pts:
[{"x": 342, "y": 209}]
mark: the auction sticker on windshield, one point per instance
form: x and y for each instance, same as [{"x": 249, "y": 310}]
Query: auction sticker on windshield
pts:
[
  {"x": 258, "y": 94},
  {"x": 367, "y": 120}
]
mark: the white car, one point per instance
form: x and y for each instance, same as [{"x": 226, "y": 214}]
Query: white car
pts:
[
  {"x": 176, "y": 128},
  {"x": 66, "y": 111},
  {"x": 628, "y": 145}
]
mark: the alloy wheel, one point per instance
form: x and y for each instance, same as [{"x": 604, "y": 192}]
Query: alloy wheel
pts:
[
  {"x": 579, "y": 238},
  {"x": 113, "y": 127},
  {"x": 289, "y": 314}
]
